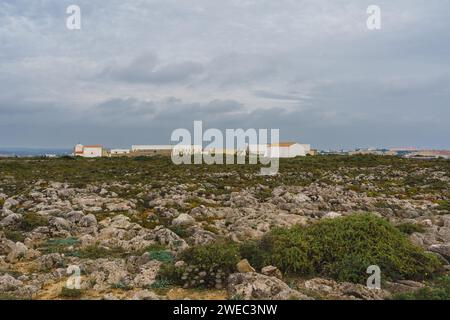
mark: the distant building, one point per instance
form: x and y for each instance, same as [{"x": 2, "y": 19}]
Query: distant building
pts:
[
  {"x": 92, "y": 151},
  {"x": 444, "y": 154},
  {"x": 224, "y": 151},
  {"x": 187, "y": 149},
  {"x": 119, "y": 152},
  {"x": 287, "y": 150}
]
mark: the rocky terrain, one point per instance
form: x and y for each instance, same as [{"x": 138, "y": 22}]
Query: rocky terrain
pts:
[{"x": 121, "y": 221}]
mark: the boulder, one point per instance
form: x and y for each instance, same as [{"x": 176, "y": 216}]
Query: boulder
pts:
[
  {"x": 251, "y": 285},
  {"x": 11, "y": 220},
  {"x": 244, "y": 266},
  {"x": 18, "y": 252},
  {"x": 75, "y": 216},
  {"x": 169, "y": 238},
  {"x": 145, "y": 295},
  {"x": 147, "y": 275},
  {"x": 183, "y": 220},
  {"x": 50, "y": 261},
  {"x": 88, "y": 221},
  {"x": 9, "y": 283},
  {"x": 343, "y": 290},
  {"x": 442, "y": 249},
  {"x": 272, "y": 271},
  {"x": 332, "y": 215}
]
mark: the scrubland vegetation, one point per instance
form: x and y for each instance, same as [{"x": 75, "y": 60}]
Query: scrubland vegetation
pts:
[{"x": 145, "y": 228}]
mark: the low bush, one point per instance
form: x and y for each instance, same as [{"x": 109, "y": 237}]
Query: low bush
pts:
[
  {"x": 31, "y": 221},
  {"x": 220, "y": 255},
  {"x": 343, "y": 248},
  {"x": 438, "y": 290},
  {"x": 205, "y": 266}
]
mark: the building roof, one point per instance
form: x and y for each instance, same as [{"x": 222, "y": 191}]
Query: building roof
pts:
[
  {"x": 283, "y": 144},
  {"x": 94, "y": 146}
]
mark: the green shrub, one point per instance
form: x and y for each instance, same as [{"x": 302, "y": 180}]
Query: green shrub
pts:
[
  {"x": 254, "y": 253},
  {"x": 31, "y": 221},
  {"x": 205, "y": 266},
  {"x": 343, "y": 248},
  {"x": 288, "y": 250},
  {"x": 219, "y": 255},
  {"x": 410, "y": 228},
  {"x": 439, "y": 290},
  {"x": 170, "y": 273}
]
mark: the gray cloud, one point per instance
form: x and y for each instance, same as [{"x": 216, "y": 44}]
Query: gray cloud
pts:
[
  {"x": 147, "y": 69},
  {"x": 310, "y": 68}
]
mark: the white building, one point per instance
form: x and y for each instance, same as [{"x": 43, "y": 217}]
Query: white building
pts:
[
  {"x": 287, "y": 150},
  {"x": 92, "y": 151},
  {"x": 137, "y": 148},
  {"x": 118, "y": 152},
  {"x": 187, "y": 149}
]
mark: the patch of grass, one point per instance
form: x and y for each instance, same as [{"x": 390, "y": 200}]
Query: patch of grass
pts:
[
  {"x": 161, "y": 286},
  {"x": 161, "y": 255},
  {"x": 97, "y": 252},
  {"x": 31, "y": 221},
  {"x": 182, "y": 232},
  {"x": 70, "y": 293},
  {"x": 444, "y": 205},
  {"x": 9, "y": 296},
  {"x": 58, "y": 245},
  {"x": 12, "y": 235},
  {"x": 122, "y": 286},
  {"x": 410, "y": 228}
]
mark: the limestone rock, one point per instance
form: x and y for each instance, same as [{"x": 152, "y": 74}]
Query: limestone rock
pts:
[
  {"x": 244, "y": 266},
  {"x": 183, "y": 220},
  {"x": 272, "y": 271},
  {"x": 253, "y": 285}
]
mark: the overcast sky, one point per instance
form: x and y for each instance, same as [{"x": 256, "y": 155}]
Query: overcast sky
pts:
[{"x": 139, "y": 69}]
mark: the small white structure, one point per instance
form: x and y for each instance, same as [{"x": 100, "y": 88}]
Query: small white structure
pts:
[
  {"x": 137, "y": 148},
  {"x": 78, "y": 150},
  {"x": 287, "y": 150},
  {"x": 118, "y": 152},
  {"x": 187, "y": 149},
  {"x": 92, "y": 151}
]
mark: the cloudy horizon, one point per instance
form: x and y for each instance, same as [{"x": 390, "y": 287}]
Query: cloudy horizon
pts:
[{"x": 139, "y": 69}]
